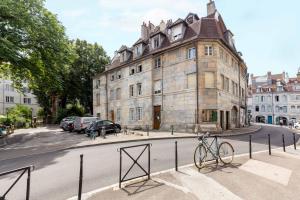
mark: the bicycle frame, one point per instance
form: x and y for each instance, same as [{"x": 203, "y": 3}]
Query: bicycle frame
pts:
[{"x": 209, "y": 147}]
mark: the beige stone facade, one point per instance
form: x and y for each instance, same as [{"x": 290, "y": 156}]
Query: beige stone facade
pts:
[{"x": 187, "y": 78}]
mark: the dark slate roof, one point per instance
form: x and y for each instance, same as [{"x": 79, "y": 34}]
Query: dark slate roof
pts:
[
  {"x": 139, "y": 41},
  {"x": 205, "y": 28}
]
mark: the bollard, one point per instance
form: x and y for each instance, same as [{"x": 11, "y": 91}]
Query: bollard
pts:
[
  {"x": 103, "y": 132},
  {"x": 295, "y": 146},
  {"x": 172, "y": 129},
  {"x": 80, "y": 178},
  {"x": 148, "y": 130},
  {"x": 269, "y": 141},
  {"x": 176, "y": 157},
  {"x": 283, "y": 142},
  {"x": 28, "y": 183},
  {"x": 250, "y": 146}
]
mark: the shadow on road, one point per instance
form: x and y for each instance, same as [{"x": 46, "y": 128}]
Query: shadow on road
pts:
[{"x": 141, "y": 186}]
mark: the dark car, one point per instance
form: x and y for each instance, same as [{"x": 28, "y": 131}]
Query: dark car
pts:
[
  {"x": 109, "y": 127},
  {"x": 67, "y": 124}
]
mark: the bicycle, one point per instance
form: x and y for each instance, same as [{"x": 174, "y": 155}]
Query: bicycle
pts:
[{"x": 224, "y": 151}]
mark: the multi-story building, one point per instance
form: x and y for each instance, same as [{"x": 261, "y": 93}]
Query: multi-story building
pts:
[
  {"x": 186, "y": 73},
  {"x": 274, "y": 97},
  {"x": 10, "y": 97}
]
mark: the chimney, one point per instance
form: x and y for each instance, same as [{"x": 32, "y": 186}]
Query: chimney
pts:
[
  {"x": 150, "y": 27},
  {"x": 144, "y": 31},
  {"x": 162, "y": 26},
  {"x": 298, "y": 75},
  {"x": 211, "y": 7}
]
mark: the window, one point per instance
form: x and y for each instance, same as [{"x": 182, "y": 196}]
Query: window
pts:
[
  {"x": 112, "y": 77},
  {"x": 263, "y": 108},
  {"x": 131, "y": 114},
  {"x": 139, "y": 113},
  {"x": 191, "y": 53},
  {"x": 157, "y": 62},
  {"x": 27, "y": 100},
  {"x": 118, "y": 93},
  {"x": 118, "y": 114},
  {"x": 277, "y": 98},
  {"x": 111, "y": 92},
  {"x": 157, "y": 87},
  {"x": 233, "y": 87},
  {"x": 227, "y": 84},
  {"x": 256, "y": 108},
  {"x": 209, "y": 79},
  {"x": 284, "y": 108},
  {"x": 119, "y": 75},
  {"x": 269, "y": 108},
  {"x": 9, "y": 99},
  {"x": 6, "y": 87},
  {"x": 131, "y": 71},
  {"x": 262, "y": 98},
  {"x": 257, "y": 99},
  {"x": 138, "y": 50},
  {"x": 191, "y": 81},
  {"x": 139, "y": 68},
  {"x": 97, "y": 99},
  {"x": 222, "y": 82},
  {"x": 139, "y": 88},
  {"x": 277, "y": 108},
  {"x": 208, "y": 50},
  {"x": 98, "y": 83},
  {"x": 131, "y": 91},
  {"x": 209, "y": 116},
  {"x": 221, "y": 54},
  {"x": 156, "y": 42},
  {"x": 280, "y": 88}
]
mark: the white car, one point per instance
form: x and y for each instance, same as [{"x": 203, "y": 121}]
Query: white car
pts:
[{"x": 297, "y": 125}]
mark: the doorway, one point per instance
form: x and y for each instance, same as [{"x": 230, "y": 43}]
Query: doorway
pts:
[
  {"x": 112, "y": 114},
  {"x": 222, "y": 119},
  {"x": 156, "y": 117},
  {"x": 227, "y": 120},
  {"x": 270, "y": 120}
]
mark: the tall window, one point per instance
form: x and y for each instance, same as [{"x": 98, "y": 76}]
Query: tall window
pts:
[
  {"x": 138, "y": 50},
  {"x": 262, "y": 98},
  {"x": 131, "y": 114},
  {"x": 118, "y": 114},
  {"x": 98, "y": 83},
  {"x": 139, "y": 68},
  {"x": 191, "y": 53},
  {"x": 221, "y": 54},
  {"x": 9, "y": 99},
  {"x": 209, "y": 79},
  {"x": 256, "y": 108},
  {"x": 208, "y": 50},
  {"x": 263, "y": 108},
  {"x": 277, "y": 98},
  {"x": 209, "y": 116},
  {"x": 233, "y": 87},
  {"x": 131, "y": 91},
  {"x": 118, "y": 93},
  {"x": 156, "y": 42},
  {"x": 139, "y": 88},
  {"x": 111, "y": 94},
  {"x": 157, "y": 87},
  {"x": 139, "y": 113},
  {"x": 227, "y": 84},
  {"x": 222, "y": 82},
  {"x": 157, "y": 62}
]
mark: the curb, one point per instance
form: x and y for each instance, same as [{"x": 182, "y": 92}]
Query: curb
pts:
[{"x": 129, "y": 141}]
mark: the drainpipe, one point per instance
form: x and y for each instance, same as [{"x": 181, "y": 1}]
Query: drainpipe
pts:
[
  {"x": 239, "y": 110},
  {"x": 197, "y": 84},
  {"x": 106, "y": 87}
]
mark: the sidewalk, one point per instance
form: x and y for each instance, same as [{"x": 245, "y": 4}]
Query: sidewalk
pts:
[{"x": 264, "y": 177}]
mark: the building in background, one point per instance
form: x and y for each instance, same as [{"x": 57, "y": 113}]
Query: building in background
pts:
[
  {"x": 186, "y": 73},
  {"x": 273, "y": 98},
  {"x": 10, "y": 97}
]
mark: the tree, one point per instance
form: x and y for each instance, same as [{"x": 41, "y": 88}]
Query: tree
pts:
[{"x": 90, "y": 60}]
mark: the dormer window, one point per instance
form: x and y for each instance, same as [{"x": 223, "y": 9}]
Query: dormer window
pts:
[
  {"x": 176, "y": 32},
  {"x": 131, "y": 71},
  {"x": 123, "y": 56},
  {"x": 138, "y": 50},
  {"x": 156, "y": 42}
]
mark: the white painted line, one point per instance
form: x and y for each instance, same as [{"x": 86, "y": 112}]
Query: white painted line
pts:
[{"x": 272, "y": 172}]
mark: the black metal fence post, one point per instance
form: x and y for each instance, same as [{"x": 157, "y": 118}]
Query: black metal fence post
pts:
[
  {"x": 120, "y": 172},
  {"x": 283, "y": 142},
  {"x": 172, "y": 130},
  {"x": 176, "y": 157},
  {"x": 250, "y": 146},
  {"x": 149, "y": 161},
  {"x": 80, "y": 178},
  {"x": 147, "y": 130},
  {"x": 28, "y": 183},
  {"x": 269, "y": 141},
  {"x": 294, "y": 136}
]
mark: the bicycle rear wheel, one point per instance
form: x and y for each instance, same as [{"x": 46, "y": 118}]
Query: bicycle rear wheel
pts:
[
  {"x": 226, "y": 153},
  {"x": 200, "y": 156}
]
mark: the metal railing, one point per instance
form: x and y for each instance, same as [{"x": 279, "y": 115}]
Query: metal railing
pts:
[
  {"x": 23, "y": 170},
  {"x": 135, "y": 162}
]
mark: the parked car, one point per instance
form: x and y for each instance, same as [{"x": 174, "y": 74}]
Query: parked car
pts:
[
  {"x": 109, "y": 127},
  {"x": 81, "y": 123},
  {"x": 297, "y": 125},
  {"x": 67, "y": 123}
]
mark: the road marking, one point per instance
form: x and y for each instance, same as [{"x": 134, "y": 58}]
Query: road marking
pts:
[
  {"x": 204, "y": 187},
  {"x": 272, "y": 172}
]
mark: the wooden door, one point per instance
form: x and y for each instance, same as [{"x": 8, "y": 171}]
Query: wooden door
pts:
[
  {"x": 156, "y": 117},
  {"x": 112, "y": 114}
]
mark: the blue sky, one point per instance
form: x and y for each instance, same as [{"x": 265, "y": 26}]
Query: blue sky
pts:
[{"x": 267, "y": 32}]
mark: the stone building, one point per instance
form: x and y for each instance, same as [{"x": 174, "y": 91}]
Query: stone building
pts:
[
  {"x": 274, "y": 97},
  {"x": 186, "y": 73},
  {"x": 10, "y": 97}
]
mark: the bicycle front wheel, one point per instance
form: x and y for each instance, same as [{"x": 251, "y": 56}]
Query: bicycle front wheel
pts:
[
  {"x": 226, "y": 153},
  {"x": 200, "y": 156}
]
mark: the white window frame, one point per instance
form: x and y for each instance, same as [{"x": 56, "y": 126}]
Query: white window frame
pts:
[
  {"x": 208, "y": 50},
  {"x": 191, "y": 54},
  {"x": 139, "y": 113}
]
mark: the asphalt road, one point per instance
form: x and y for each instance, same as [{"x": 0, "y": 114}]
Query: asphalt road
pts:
[{"x": 56, "y": 174}]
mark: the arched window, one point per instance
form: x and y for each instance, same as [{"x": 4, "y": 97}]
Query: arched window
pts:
[{"x": 263, "y": 108}]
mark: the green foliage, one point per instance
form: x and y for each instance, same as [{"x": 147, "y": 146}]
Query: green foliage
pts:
[
  {"x": 19, "y": 115},
  {"x": 70, "y": 110}
]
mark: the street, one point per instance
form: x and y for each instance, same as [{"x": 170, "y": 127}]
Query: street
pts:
[{"x": 56, "y": 173}]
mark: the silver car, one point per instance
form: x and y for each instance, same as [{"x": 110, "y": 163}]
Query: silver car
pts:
[{"x": 81, "y": 123}]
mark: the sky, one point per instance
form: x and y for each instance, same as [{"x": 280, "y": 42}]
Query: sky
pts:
[{"x": 267, "y": 32}]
